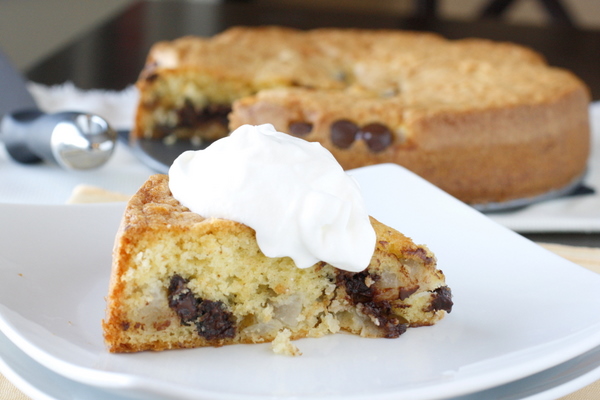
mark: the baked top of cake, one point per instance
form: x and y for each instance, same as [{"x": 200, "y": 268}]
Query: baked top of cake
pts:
[
  {"x": 425, "y": 71},
  {"x": 154, "y": 207}
]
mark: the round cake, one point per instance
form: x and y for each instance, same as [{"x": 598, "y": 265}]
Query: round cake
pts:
[{"x": 487, "y": 122}]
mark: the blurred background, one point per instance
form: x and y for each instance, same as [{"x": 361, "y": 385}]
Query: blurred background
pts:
[{"x": 33, "y": 29}]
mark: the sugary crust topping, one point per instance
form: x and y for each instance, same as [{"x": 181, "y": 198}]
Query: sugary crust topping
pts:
[
  {"x": 154, "y": 206},
  {"x": 386, "y": 63}
]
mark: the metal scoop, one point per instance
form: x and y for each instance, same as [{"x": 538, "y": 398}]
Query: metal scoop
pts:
[{"x": 73, "y": 140}]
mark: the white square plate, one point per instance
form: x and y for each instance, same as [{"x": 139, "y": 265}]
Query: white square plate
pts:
[{"x": 519, "y": 309}]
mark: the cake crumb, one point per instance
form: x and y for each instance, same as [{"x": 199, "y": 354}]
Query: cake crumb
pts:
[
  {"x": 283, "y": 345},
  {"x": 92, "y": 194}
]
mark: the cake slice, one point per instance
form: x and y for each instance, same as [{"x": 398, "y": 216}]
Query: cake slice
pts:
[{"x": 180, "y": 280}]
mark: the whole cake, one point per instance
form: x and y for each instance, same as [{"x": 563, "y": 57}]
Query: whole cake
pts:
[
  {"x": 182, "y": 280},
  {"x": 485, "y": 121}
]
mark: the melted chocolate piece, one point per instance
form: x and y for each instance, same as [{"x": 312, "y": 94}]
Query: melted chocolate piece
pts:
[
  {"x": 362, "y": 295},
  {"x": 215, "y": 112},
  {"x": 300, "y": 128},
  {"x": 405, "y": 293},
  {"x": 343, "y": 133},
  {"x": 377, "y": 136},
  {"x": 212, "y": 319},
  {"x": 187, "y": 115},
  {"x": 182, "y": 300},
  {"x": 190, "y": 117},
  {"x": 442, "y": 300},
  {"x": 215, "y": 321},
  {"x": 422, "y": 254},
  {"x": 393, "y": 325},
  {"x": 355, "y": 286}
]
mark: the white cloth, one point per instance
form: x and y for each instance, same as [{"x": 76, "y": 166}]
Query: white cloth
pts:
[{"x": 117, "y": 107}]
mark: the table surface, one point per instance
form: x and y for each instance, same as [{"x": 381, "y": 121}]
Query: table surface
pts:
[{"x": 111, "y": 55}]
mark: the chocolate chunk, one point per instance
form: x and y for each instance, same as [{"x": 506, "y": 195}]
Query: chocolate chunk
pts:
[
  {"x": 215, "y": 321},
  {"x": 190, "y": 117},
  {"x": 391, "y": 324},
  {"x": 343, "y": 133},
  {"x": 362, "y": 296},
  {"x": 300, "y": 128},
  {"x": 182, "y": 300},
  {"x": 407, "y": 292},
  {"x": 215, "y": 112},
  {"x": 356, "y": 286},
  {"x": 442, "y": 300},
  {"x": 422, "y": 254},
  {"x": 377, "y": 136},
  {"x": 186, "y": 114},
  {"x": 212, "y": 319}
]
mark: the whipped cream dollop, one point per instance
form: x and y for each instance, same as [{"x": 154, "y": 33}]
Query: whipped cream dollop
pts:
[{"x": 292, "y": 192}]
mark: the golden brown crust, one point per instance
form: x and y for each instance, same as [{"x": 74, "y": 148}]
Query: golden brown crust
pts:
[{"x": 159, "y": 238}]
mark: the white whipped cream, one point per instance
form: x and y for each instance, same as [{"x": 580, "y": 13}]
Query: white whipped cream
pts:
[{"x": 293, "y": 193}]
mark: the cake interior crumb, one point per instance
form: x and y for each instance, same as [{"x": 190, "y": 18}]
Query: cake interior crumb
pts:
[{"x": 283, "y": 345}]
